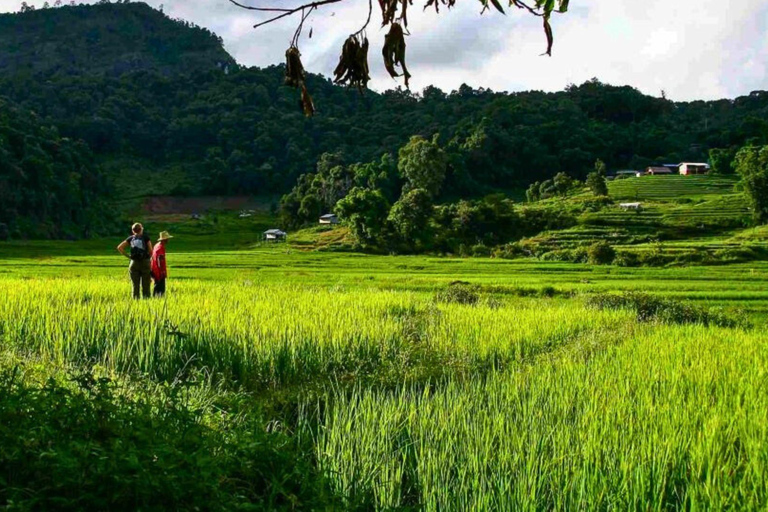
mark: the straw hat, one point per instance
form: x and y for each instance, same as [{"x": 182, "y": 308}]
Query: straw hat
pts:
[{"x": 164, "y": 235}]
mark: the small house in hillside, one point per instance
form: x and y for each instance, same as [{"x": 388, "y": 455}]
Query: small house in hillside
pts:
[
  {"x": 329, "y": 218},
  {"x": 274, "y": 235},
  {"x": 658, "y": 171},
  {"x": 628, "y": 173},
  {"x": 688, "y": 168},
  {"x": 631, "y": 206}
]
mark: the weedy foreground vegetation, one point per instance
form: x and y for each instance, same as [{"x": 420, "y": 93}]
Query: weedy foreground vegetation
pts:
[{"x": 275, "y": 379}]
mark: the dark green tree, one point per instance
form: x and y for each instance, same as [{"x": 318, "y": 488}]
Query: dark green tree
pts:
[
  {"x": 422, "y": 163},
  {"x": 596, "y": 183},
  {"x": 365, "y": 211},
  {"x": 534, "y": 192},
  {"x": 601, "y": 168},
  {"x": 722, "y": 160},
  {"x": 563, "y": 183},
  {"x": 409, "y": 218},
  {"x": 752, "y": 165}
]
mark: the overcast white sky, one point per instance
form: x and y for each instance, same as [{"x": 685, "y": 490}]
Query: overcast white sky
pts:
[{"x": 692, "y": 49}]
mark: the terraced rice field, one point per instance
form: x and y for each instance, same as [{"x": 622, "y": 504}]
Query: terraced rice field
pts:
[
  {"x": 668, "y": 188},
  {"x": 362, "y": 382}
]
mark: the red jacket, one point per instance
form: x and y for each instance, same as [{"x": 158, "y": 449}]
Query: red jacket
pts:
[{"x": 159, "y": 268}]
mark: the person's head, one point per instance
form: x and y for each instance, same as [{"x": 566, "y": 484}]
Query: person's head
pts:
[
  {"x": 164, "y": 237},
  {"x": 137, "y": 229}
]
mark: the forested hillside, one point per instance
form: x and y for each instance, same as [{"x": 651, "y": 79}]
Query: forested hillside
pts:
[
  {"x": 104, "y": 38},
  {"x": 139, "y": 87},
  {"x": 49, "y": 185}
]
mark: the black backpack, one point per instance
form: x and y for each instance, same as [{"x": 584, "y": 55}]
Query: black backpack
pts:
[{"x": 139, "y": 249}]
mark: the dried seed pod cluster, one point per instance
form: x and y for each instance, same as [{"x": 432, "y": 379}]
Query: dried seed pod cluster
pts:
[
  {"x": 389, "y": 11},
  {"x": 436, "y": 3},
  {"x": 394, "y": 52},
  {"x": 353, "y": 63},
  {"x": 294, "y": 77},
  {"x": 294, "y": 70}
]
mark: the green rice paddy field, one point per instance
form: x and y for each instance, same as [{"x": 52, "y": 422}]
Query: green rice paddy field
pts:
[{"x": 271, "y": 378}]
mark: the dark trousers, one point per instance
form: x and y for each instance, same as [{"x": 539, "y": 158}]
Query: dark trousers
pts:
[
  {"x": 140, "y": 271},
  {"x": 159, "y": 287}
]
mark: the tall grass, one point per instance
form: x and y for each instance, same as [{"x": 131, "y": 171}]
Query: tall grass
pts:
[
  {"x": 270, "y": 335},
  {"x": 676, "y": 418},
  {"x": 410, "y": 398}
]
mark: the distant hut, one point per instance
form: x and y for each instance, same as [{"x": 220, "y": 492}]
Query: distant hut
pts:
[
  {"x": 690, "y": 168},
  {"x": 628, "y": 173},
  {"x": 274, "y": 235},
  {"x": 329, "y": 218},
  {"x": 658, "y": 171}
]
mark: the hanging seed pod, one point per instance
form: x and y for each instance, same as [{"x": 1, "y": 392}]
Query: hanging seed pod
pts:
[
  {"x": 448, "y": 3},
  {"x": 294, "y": 70},
  {"x": 306, "y": 102},
  {"x": 394, "y": 52},
  {"x": 388, "y": 11},
  {"x": 353, "y": 63}
]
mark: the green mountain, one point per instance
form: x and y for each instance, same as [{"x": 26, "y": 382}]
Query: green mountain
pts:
[
  {"x": 165, "y": 110},
  {"x": 110, "y": 39}
]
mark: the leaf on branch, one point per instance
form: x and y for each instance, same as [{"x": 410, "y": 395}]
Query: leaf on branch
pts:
[
  {"x": 353, "y": 63},
  {"x": 550, "y": 36},
  {"x": 497, "y": 5},
  {"x": 394, "y": 52}
]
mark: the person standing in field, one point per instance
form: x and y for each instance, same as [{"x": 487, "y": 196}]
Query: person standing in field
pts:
[
  {"x": 159, "y": 265},
  {"x": 140, "y": 267}
]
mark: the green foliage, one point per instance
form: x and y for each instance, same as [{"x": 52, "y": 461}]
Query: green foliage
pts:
[
  {"x": 49, "y": 185},
  {"x": 752, "y": 165},
  {"x": 182, "y": 103},
  {"x": 596, "y": 183},
  {"x": 365, "y": 211},
  {"x": 108, "y": 38},
  {"x": 98, "y": 444},
  {"x": 533, "y": 193},
  {"x": 650, "y": 308},
  {"x": 488, "y": 222},
  {"x": 722, "y": 160},
  {"x": 409, "y": 218},
  {"x": 422, "y": 163},
  {"x": 600, "y": 168},
  {"x": 458, "y": 293},
  {"x": 318, "y": 193},
  {"x": 601, "y": 253},
  {"x": 563, "y": 183}
]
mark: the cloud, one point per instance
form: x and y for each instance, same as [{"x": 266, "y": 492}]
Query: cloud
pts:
[{"x": 692, "y": 49}]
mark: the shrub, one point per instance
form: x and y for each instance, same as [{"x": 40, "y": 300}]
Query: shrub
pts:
[
  {"x": 458, "y": 293},
  {"x": 100, "y": 445},
  {"x": 600, "y": 253},
  {"x": 480, "y": 250},
  {"x": 626, "y": 259},
  {"x": 548, "y": 291},
  {"x": 650, "y": 308}
]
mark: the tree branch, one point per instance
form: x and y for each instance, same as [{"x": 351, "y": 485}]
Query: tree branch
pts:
[{"x": 284, "y": 12}]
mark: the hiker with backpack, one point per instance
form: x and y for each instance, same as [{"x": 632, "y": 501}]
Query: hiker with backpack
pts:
[
  {"x": 159, "y": 266},
  {"x": 140, "y": 267}
]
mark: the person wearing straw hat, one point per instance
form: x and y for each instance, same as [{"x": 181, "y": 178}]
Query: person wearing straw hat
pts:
[{"x": 159, "y": 265}]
